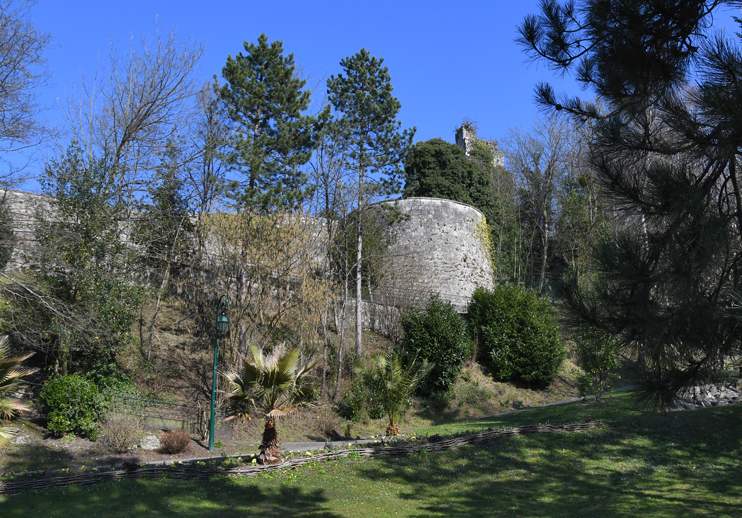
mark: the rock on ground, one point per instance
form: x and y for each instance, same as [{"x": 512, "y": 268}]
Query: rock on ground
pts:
[{"x": 149, "y": 442}]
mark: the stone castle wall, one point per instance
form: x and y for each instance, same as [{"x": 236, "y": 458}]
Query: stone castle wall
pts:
[
  {"x": 436, "y": 246},
  {"x": 23, "y": 207}
]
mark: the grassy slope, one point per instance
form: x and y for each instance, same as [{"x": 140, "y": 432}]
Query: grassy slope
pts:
[
  {"x": 475, "y": 394},
  {"x": 639, "y": 464}
]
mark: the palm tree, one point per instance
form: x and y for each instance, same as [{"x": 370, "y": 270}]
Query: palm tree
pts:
[
  {"x": 391, "y": 384},
  {"x": 273, "y": 384},
  {"x": 10, "y": 374}
]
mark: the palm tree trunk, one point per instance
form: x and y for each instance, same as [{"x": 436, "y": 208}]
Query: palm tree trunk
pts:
[{"x": 269, "y": 450}]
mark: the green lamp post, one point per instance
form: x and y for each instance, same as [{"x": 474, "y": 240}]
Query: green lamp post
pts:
[{"x": 222, "y": 326}]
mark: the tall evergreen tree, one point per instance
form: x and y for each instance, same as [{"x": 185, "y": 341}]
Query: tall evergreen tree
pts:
[
  {"x": 667, "y": 153},
  {"x": 272, "y": 138},
  {"x": 371, "y": 134}
]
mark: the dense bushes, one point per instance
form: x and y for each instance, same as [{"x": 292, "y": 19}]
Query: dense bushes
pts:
[
  {"x": 439, "y": 335},
  {"x": 517, "y": 334},
  {"x": 359, "y": 401},
  {"x": 74, "y": 405}
]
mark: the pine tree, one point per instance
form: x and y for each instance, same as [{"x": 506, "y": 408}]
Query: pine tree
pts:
[
  {"x": 370, "y": 132},
  {"x": 666, "y": 152},
  {"x": 272, "y": 137}
]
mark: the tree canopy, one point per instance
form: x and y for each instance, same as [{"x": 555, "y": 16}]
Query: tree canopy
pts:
[
  {"x": 273, "y": 136},
  {"x": 666, "y": 151},
  {"x": 439, "y": 169}
]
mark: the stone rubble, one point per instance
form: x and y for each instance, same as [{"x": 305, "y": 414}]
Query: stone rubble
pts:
[
  {"x": 704, "y": 396},
  {"x": 20, "y": 439}
]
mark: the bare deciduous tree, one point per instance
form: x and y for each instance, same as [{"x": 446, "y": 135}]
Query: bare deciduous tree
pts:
[
  {"x": 538, "y": 159},
  {"x": 22, "y": 72},
  {"x": 141, "y": 104}
]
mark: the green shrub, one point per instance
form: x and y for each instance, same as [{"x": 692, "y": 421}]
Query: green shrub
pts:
[
  {"x": 598, "y": 352},
  {"x": 354, "y": 400},
  {"x": 439, "y": 335},
  {"x": 74, "y": 405},
  {"x": 358, "y": 401},
  {"x": 118, "y": 383},
  {"x": 517, "y": 334}
]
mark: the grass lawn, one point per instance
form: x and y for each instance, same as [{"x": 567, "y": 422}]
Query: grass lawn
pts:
[{"x": 639, "y": 464}]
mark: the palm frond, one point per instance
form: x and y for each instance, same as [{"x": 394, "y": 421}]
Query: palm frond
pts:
[
  {"x": 10, "y": 408},
  {"x": 392, "y": 383},
  {"x": 10, "y": 374},
  {"x": 6, "y": 433},
  {"x": 289, "y": 362},
  {"x": 272, "y": 383}
]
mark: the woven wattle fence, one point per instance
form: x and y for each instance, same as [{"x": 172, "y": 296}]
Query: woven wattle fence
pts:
[{"x": 195, "y": 472}]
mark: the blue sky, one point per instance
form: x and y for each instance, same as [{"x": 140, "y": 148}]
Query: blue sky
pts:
[{"x": 447, "y": 60}]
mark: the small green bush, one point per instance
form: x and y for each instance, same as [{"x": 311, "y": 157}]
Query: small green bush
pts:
[
  {"x": 599, "y": 355},
  {"x": 73, "y": 405},
  {"x": 517, "y": 334},
  {"x": 439, "y": 335},
  {"x": 358, "y": 401}
]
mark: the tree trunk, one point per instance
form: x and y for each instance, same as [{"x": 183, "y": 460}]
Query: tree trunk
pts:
[
  {"x": 269, "y": 450},
  {"x": 359, "y": 289},
  {"x": 544, "y": 256},
  {"x": 340, "y": 347},
  {"x": 158, "y": 303},
  {"x": 326, "y": 343},
  {"x": 326, "y": 314},
  {"x": 241, "y": 303},
  {"x": 343, "y": 312}
]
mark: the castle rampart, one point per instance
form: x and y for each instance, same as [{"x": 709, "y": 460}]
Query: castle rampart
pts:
[{"x": 435, "y": 246}]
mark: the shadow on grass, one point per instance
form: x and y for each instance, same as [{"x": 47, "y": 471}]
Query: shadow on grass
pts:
[
  {"x": 22, "y": 457},
  {"x": 40, "y": 457},
  {"x": 682, "y": 464},
  {"x": 610, "y": 410},
  {"x": 223, "y": 498}
]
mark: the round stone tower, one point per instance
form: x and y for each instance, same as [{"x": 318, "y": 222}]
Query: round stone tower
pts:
[{"x": 434, "y": 246}]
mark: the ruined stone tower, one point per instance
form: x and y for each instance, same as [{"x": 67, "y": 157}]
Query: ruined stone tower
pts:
[{"x": 466, "y": 138}]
